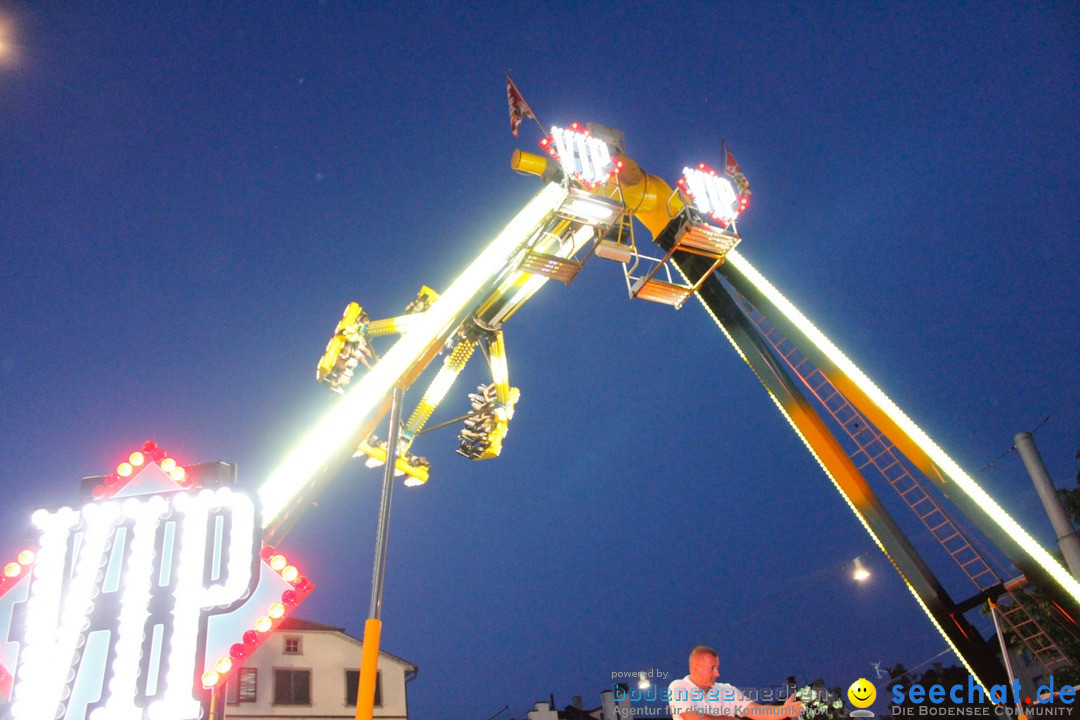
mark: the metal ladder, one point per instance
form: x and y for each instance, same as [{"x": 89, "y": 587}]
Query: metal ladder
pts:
[{"x": 875, "y": 450}]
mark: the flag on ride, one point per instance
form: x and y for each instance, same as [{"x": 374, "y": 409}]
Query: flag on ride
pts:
[
  {"x": 519, "y": 109},
  {"x": 732, "y": 170}
]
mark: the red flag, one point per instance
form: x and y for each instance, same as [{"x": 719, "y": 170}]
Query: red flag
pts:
[
  {"x": 732, "y": 170},
  {"x": 731, "y": 167},
  {"x": 519, "y": 109}
]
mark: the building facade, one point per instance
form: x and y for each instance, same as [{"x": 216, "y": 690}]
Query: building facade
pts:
[{"x": 307, "y": 670}]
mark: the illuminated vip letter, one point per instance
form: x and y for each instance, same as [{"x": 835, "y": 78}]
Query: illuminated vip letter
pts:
[
  {"x": 712, "y": 193},
  {"x": 120, "y": 700},
  {"x": 90, "y": 608},
  {"x": 582, "y": 155},
  {"x": 193, "y": 596},
  {"x": 57, "y": 616},
  {"x": 584, "y": 164},
  {"x": 564, "y": 145}
]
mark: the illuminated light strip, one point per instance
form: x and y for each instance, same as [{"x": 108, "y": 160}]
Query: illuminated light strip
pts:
[
  {"x": 908, "y": 426},
  {"x": 526, "y": 291},
  {"x": 440, "y": 385},
  {"x": 395, "y": 325},
  {"x": 832, "y": 479},
  {"x": 340, "y": 425},
  {"x": 500, "y": 373},
  {"x": 589, "y": 210}
]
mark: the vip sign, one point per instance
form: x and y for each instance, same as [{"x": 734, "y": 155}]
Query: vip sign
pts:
[
  {"x": 711, "y": 194},
  {"x": 142, "y": 601},
  {"x": 581, "y": 155}
]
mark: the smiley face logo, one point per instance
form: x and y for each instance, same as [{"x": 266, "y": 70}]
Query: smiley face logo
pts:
[{"x": 861, "y": 693}]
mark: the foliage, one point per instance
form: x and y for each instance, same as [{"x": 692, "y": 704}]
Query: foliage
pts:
[
  {"x": 821, "y": 702},
  {"x": 1037, "y": 605},
  {"x": 1071, "y": 498},
  {"x": 937, "y": 674}
]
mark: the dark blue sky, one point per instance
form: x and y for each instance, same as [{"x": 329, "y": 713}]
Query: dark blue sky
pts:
[{"x": 190, "y": 195}]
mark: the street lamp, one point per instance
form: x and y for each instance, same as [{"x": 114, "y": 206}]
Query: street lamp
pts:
[{"x": 860, "y": 572}]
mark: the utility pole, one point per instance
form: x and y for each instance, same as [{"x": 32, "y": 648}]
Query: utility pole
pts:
[{"x": 1068, "y": 540}]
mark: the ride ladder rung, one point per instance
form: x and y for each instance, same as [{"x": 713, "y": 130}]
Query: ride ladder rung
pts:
[
  {"x": 694, "y": 238},
  {"x": 914, "y": 486},
  {"x": 941, "y": 524},
  {"x": 706, "y": 239},
  {"x": 551, "y": 266},
  {"x": 648, "y": 288},
  {"x": 955, "y": 533}
]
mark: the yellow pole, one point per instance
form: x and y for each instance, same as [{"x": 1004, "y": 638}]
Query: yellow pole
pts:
[
  {"x": 369, "y": 658},
  {"x": 369, "y": 666}
]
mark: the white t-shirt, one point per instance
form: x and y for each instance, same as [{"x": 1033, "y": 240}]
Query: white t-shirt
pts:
[{"x": 721, "y": 699}]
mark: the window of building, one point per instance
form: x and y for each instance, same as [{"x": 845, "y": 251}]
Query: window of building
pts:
[
  {"x": 242, "y": 686},
  {"x": 292, "y": 687},
  {"x": 248, "y": 684},
  {"x": 293, "y": 646},
  {"x": 352, "y": 685}
]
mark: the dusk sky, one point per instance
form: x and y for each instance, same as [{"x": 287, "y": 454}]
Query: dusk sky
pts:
[{"x": 190, "y": 193}]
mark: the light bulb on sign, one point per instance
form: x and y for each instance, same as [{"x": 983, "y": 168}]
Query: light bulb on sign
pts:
[{"x": 582, "y": 156}]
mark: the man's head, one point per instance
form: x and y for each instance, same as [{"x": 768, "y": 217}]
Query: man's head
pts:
[{"x": 704, "y": 666}]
